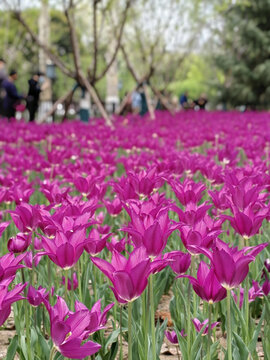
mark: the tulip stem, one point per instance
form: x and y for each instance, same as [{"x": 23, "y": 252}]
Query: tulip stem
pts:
[
  {"x": 194, "y": 294},
  {"x": 209, "y": 331},
  {"x": 79, "y": 280},
  {"x": 229, "y": 330},
  {"x": 121, "y": 334},
  {"x": 188, "y": 319},
  {"x": 32, "y": 278},
  {"x": 28, "y": 334},
  {"x": 95, "y": 283},
  {"x": 52, "y": 353},
  {"x": 130, "y": 330},
  {"x": 153, "y": 328},
  {"x": 72, "y": 291},
  {"x": 66, "y": 285},
  {"x": 246, "y": 309}
]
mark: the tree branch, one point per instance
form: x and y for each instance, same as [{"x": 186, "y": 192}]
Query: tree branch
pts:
[
  {"x": 55, "y": 59},
  {"x": 118, "y": 42}
]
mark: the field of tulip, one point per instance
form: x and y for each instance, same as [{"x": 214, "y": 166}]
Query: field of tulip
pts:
[{"x": 98, "y": 224}]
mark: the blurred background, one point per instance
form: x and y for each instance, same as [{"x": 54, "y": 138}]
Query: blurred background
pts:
[{"x": 219, "y": 48}]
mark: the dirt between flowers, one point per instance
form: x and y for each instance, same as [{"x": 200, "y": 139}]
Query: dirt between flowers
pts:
[{"x": 168, "y": 350}]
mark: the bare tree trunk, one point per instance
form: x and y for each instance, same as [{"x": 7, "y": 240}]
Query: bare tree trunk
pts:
[
  {"x": 148, "y": 101},
  {"x": 97, "y": 101},
  {"x": 54, "y": 107},
  {"x": 162, "y": 99}
]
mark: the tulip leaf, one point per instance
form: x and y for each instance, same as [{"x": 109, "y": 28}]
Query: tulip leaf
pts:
[
  {"x": 183, "y": 345},
  {"x": 241, "y": 318},
  {"x": 242, "y": 348},
  {"x": 44, "y": 346},
  {"x": 12, "y": 349},
  {"x": 196, "y": 343},
  {"x": 253, "y": 343},
  {"x": 113, "y": 337},
  {"x": 213, "y": 350},
  {"x": 160, "y": 334}
]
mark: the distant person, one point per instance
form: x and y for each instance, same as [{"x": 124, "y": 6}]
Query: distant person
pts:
[
  {"x": 12, "y": 97},
  {"x": 200, "y": 103},
  {"x": 144, "y": 107},
  {"x": 33, "y": 95},
  {"x": 136, "y": 102},
  {"x": 3, "y": 76},
  {"x": 184, "y": 101}
]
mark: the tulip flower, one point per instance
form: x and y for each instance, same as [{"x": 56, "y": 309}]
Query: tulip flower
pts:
[
  {"x": 231, "y": 265},
  {"x": 180, "y": 261},
  {"x": 19, "y": 243},
  {"x": 26, "y": 217},
  {"x": 206, "y": 286},
  {"x": 95, "y": 243},
  {"x": 128, "y": 276},
  {"x": 3, "y": 226},
  {"x": 113, "y": 207},
  {"x": 9, "y": 264},
  {"x": 188, "y": 191},
  {"x": 36, "y": 297},
  {"x": 9, "y": 297},
  {"x": 171, "y": 336},
  {"x": 68, "y": 330},
  {"x": 97, "y": 318},
  {"x": 63, "y": 251},
  {"x": 198, "y": 325},
  {"x": 151, "y": 233},
  {"x": 71, "y": 286}
]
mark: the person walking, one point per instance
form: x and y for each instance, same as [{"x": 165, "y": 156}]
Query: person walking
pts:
[
  {"x": 3, "y": 76},
  {"x": 12, "y": 97},
  {"x": 33, "y": 95}
]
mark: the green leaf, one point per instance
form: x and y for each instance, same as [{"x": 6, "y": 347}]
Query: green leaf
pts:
[
  {"x": 241, "y": 318},
  {"x": 12, "y": 349},
  {"x": 253, "y": 343},
  {"x": 195, "y": 346},
  {"x": 183, "y": 345},
  {"x": 243, "y": 350}
]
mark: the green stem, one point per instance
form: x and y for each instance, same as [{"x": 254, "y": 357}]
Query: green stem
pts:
[
  {"x": 194, "y": 294},
  {"x": 209, "y": 331},
  {"x": 28, "y": 334},
  {"x": 95, "y": 283},
  {"x": 246, "y": 308},
  {"x": 32, "y": 278},
  {"x": 229, "y": 329},
  {"x": 189, "y": 319},
  {"x": 52, "y": 353},
  {"x": 130, "y": 330},
  {"x": 79, "y": 281},
  {"x": 66, "y": 285},
  {"x": 121, "y": 335},
  {"x": 72, "y": 291},
  {"x": 153, "y": 328}
]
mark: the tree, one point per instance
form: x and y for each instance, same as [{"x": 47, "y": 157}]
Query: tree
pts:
[
  {"x": 245, "y": 55},
  {"x": 86, "y": 78}
]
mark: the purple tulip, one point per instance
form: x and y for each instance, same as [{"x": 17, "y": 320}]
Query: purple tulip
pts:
[
  {"x": 63, "y": 251},
  {"x": 36, "y": 297},
  {"x": 151, "y": 232},
  {"x": 9, "y": 264},
  {"x": 9, "y": 297},
  {"x": 95, "y": 243},
  {"x": 198, "y": 325},
  {"x": 180, "y": 261},
  {"x": 69, "y": 285},
  {"x": 231, "y": 265},
  {"x": 128, "y": 276},
  {"x": 26, "y": 217},
  {"x": 113, "y": 207},
  {"x": 97, "y": 318},
  {"x": 171, "y": 336},
  {"x": 19, "y": 243},
  {"x": 3, "y": 226},
  {"x": 68, "y": 330},
  {"x": 206, "y": 286}
]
